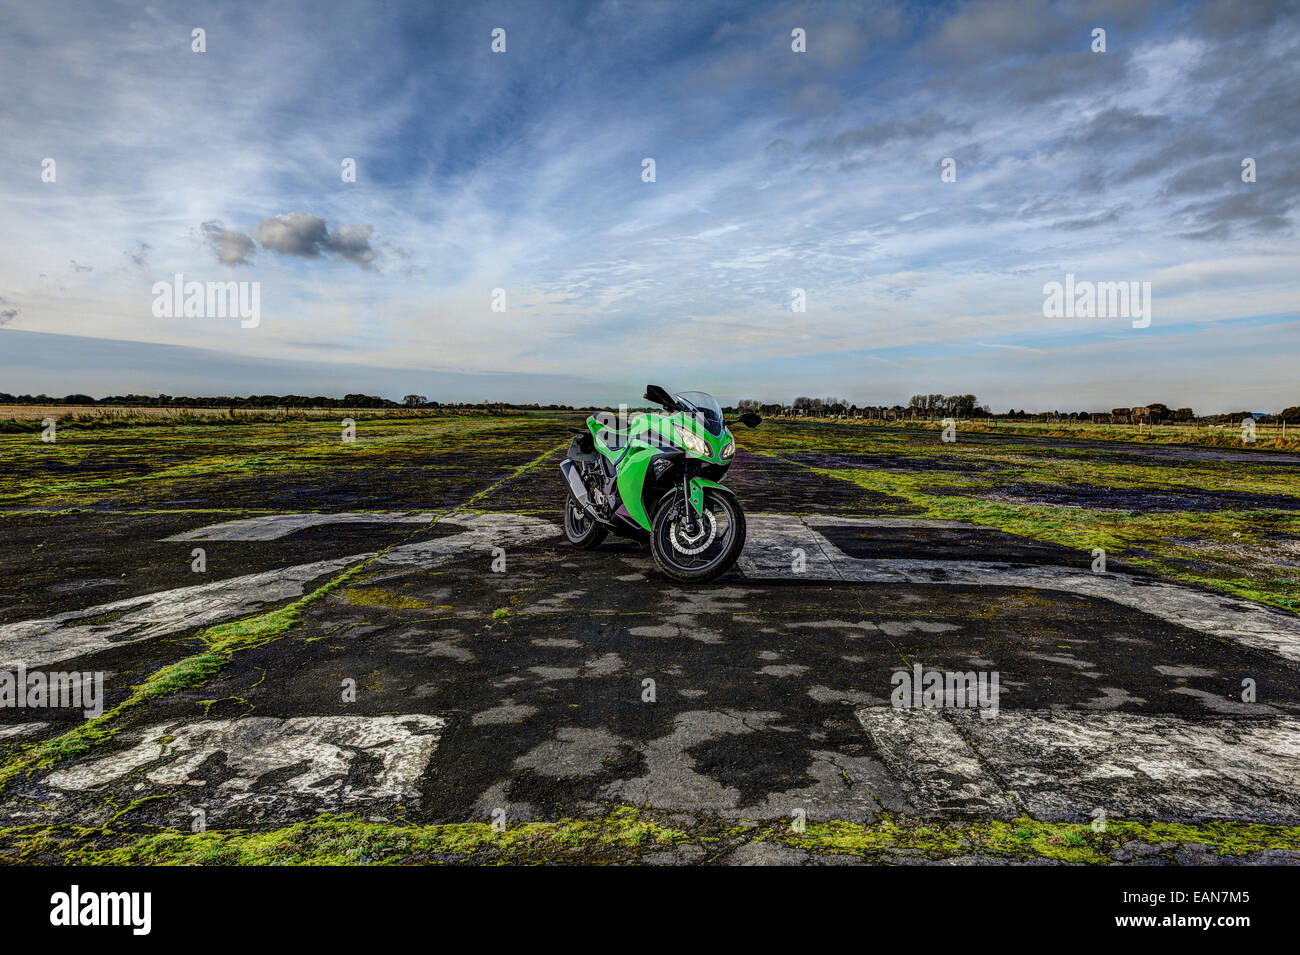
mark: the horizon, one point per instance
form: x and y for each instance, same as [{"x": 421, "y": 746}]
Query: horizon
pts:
[
  {"x": 779, "y": 177},
  {"x": 786, "y": 400}
]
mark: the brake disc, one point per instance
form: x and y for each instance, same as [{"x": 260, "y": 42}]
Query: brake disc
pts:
[{"x": 700, "y": 541}]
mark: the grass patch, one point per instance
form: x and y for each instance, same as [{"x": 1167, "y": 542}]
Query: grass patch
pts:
[
  {"x": 1145, "y": 540},
  {"x": 132, "y": 459},
  {"x": 379, "y": 597},
  {"x": 349, "y": 840},
  {"x": 1029, "y": 838},
  {"x": 624, "y": 834}
]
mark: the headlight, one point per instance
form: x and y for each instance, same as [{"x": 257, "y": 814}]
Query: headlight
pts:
[
  {"x": 693, "y": 443},
  {"x": 729, "y": 450}
]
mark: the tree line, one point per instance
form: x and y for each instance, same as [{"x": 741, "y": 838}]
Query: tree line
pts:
[
  {"x": 264, "y": 402},
  {"x": 927, "y": 406}
]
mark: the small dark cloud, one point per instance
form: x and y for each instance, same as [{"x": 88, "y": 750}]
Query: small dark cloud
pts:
[
  {"x": 873, "y": 135},
  {"x": 859, "y": 147},
  {"x": 79, "y": 267},
  {"x": 986, "y": 31},
  {"x": 978, "y": 31},
  {"x": 352, "y": 242},
  {"x": 1206, "y": 177},
  {"x": 1240, "y": 211},
  {"x": 140, "y": 254},
  {"x": 1234, "y": 207},
  {"x": 394, "y": 253},
  {"x": 1115, "y": 126},
  {"x": 813, "y": 99},
  {"x": 1038, "y": 206},
  {"x": 308, "y": 236},
  {"x": 1090, "y": 182},
  {"x": 231, "y": 246},
  {"x": 1074, "y": 75},
  {"x": 1221, "y": 20},
  {"x": 1173, "y": 155},
  {"x": 8, "y": 311}
]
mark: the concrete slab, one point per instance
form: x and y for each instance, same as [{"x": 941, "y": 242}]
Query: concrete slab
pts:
[
  {"x": 265, "y": 768},
  {"x": 1067, "y": 766},
  {"x": 776, "y": 541}
]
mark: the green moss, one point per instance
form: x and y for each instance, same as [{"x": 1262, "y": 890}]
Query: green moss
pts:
[
  {"x": 348, "y": 840},
  {"x": 624, "y": 834},
  {"x": 1025, "y": 837},
  {"x": 134, "y": 805},
  {"x": 379, "y": 597}
]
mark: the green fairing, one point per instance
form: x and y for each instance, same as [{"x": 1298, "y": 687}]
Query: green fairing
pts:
[
  {"x": 647, "y": 435},
  {"x": 631, "y": 477}
]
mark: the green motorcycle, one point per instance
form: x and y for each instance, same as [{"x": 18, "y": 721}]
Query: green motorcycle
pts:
[{"x": 655, "y": 478}]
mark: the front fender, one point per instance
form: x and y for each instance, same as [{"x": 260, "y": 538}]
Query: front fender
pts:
[{"x": 698, "y": 484}]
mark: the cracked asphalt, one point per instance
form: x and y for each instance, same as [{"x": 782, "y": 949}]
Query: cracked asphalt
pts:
[{"x": 478, "y": 667}]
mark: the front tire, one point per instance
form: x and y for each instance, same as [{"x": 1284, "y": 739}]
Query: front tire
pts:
[
  {"x": 581, "y": 528},
  {"x": 704, "y": 551}
]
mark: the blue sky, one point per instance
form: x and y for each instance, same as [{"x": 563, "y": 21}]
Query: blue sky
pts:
[{"x": 775, "y": 170}]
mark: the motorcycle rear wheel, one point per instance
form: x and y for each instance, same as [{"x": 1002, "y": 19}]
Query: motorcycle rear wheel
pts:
[{"x": 581, "y": 528}]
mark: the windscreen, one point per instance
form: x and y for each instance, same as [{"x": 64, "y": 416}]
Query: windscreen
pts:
[{"x": 705, "y": 408}]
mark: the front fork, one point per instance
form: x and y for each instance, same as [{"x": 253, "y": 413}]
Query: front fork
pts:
[{"x": 688, "y": 486}]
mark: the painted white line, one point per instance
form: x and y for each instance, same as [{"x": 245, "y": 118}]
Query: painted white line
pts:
[
  {"x": 275, "y": 526},
  {"x": 64, "y": 636},
  {"x": 930, "y": 761},
  {"x": 480, "y": 533},
  {"x": 773, "y": 539},
  {"x": 14, "y": 730},
  {"x": 1066, "y": 765},
  {"x": 335, "y": 762}
]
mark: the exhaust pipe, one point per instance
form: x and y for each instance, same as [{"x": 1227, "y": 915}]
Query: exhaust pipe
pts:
[{"x": 578, "y": 489}]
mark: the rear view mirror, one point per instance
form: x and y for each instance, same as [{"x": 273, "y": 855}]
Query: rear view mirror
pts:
[
  {"x": 657, "y": 395},
  {"x": 750, "y": 420}
]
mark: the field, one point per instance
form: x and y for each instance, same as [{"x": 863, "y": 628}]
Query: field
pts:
[{"x": 316, "y": 650}]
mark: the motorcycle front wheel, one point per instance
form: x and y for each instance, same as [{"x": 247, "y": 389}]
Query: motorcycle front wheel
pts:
[{"x": 694, "y": 548}]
